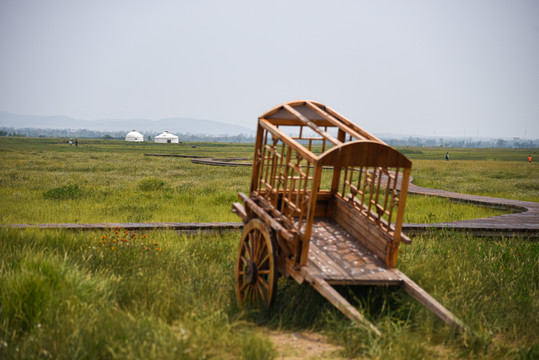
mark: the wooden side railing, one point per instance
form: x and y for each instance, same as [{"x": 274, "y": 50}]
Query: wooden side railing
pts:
[{"x": 373, "y": 179}]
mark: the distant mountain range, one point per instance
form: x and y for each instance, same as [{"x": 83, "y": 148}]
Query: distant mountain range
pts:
[{"x": 174, "y": 125}]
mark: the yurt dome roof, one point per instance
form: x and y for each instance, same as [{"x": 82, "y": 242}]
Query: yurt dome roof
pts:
[
  {"x": 134, "y": 135},
  {"x": 167, "y": 135}
]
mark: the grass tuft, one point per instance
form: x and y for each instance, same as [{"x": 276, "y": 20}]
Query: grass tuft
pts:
[
  {"x": 151, "y": 184},
  {"x": 256, "y": 347},
  {"x": 65, "y": 192}
]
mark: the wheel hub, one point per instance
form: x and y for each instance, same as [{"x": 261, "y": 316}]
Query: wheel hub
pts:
[{"x": 250, "y": 272}]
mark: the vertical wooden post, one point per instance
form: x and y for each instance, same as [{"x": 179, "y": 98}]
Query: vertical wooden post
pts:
[
  {"x": 337, "y": 167},
  {"x": 256, "y": 159},
  {"x": 393, "y": 247},
  {"x": 306, "y": 237}
]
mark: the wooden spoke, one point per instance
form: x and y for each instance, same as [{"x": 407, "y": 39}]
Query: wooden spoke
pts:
[
  {"x": 245, "y": 295},
  {"x": 247, "y": 250},
  {"x": 255, "y": 246},
  {"x": 260, "y": 290},
  {"x": 261, "y": 251},
  {"x": 245, "y": 261},
  {"x": 243, "y": 286},
  {"x": 266, "y": 285},
  {"x": 262, "y": 262},
  {"x": 250, "y": 245},
  {"x": 256, "y": 270}
]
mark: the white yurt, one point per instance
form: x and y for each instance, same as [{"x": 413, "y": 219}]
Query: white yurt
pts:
[
  {"x": 167, "y": 138},
  {"x": 134, "y": 136}
]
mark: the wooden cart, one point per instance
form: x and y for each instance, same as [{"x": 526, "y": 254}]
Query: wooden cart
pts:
[{"x": 326, "y": 206}]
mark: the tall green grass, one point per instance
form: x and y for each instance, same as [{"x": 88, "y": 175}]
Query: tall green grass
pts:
[
  {"x": 162, "y": 294},
  {"x": 120, "y": 295},
  {"x": 165, "y": 295},
  {"x": 428, "y": 210},
  {"x": 509, "y": 180}
]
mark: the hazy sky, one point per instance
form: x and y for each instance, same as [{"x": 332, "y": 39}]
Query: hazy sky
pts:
[{"x": 444, "y": 68}]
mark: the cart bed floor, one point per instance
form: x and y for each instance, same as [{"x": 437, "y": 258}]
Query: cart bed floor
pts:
[{"x": 339, "y": 258}]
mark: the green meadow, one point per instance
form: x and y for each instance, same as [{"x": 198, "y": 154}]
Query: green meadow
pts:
[{"x": 170, "y": 295}]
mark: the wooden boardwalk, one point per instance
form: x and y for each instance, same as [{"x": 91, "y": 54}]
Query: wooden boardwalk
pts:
[
  {"x": 182, "y": 227},
  {"x": 525, "y": 222},
  {"x": 222, "y": 162}
]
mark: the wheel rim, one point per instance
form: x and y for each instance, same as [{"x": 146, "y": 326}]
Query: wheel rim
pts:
[{"x": 255, "y": 267}]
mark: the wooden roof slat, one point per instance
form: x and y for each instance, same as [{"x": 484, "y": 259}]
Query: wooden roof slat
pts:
[
  {"x": 352, "y": 125},
  {"x": 267, "y": 125},
  {"x": 292, "y": 121},
  {"x": 312, "y": 125},
  {"x": 336, "y": 122}
]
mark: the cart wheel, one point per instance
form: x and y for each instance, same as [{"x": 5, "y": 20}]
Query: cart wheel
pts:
[{"x": 256, "y": 270}]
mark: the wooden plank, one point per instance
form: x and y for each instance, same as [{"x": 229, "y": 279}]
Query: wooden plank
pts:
[
  {"x": 384, "y": 226},
  {"x": 239, "y": 210},
  {"x": 367, "y": 240},
  {"x": 272, "y": 223},
  {"x": 429, "y": 302},
  {"x": 393, "y": 249},
  {"x": 297, "y": 147},
  {"x": 326, "y": 264},
  {"x": 180, "y": 156},
  {"x": 393, "y": 281},
  {"x": 187, "y": 227},
  {"x": 287, "y": 268},
  {"x": 404, "y": 238},
  {"x": 310, "y": 215},
  {"x": 337, "y": 300},
  {"x": 313, "y": 126},
  {"x": 360, "y": 228},
  {"x": 339, "y": 246},
  {"x": 335, "y": 122},
  {"x": 352, "y": 125},
  {"x": 213, "y": 162},
  {"x": 308, "y": 138},
  {"x": 367, "y": 224},
  {"x": 278, "y": 112},
  {"x": 500, "y": 229},
  {"x": 322, "y": 208},
  {"x": 314, "y": 269},
  {"x": 347, "y": 254},
  {"x": 365, "y": 153},
  {"x": 255, "y": 172},
  {"x": 292, "y": 121}
]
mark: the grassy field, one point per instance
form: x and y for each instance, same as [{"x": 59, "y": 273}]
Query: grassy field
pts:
[
  {"x": 163, "y": 294},
  {"x": 47, "y": 181},
  {"x": 503, "y": 173}
]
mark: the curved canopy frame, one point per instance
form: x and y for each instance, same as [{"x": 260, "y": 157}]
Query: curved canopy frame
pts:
[
  {"x": 295, "y": 142},
  {"x": 364, "y": 153},
  {"x": 317, "y": 118}
]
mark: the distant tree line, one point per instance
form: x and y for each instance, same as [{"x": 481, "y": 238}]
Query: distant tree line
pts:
[
  {"x": 463, "y": 143},
  {"x": 409, "y": 141},
  {"x": 109, "y": 135},
  {"x": 69, "y": 133}
]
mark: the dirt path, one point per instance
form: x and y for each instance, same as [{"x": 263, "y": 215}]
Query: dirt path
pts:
[{"x": 302, "y": 346}]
